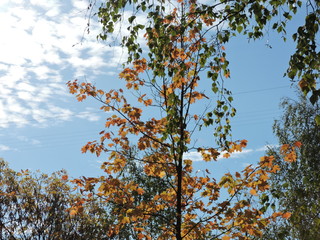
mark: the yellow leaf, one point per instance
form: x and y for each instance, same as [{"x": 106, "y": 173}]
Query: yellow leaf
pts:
[
  {"x": 187, "y": 162},
  {"x": 162, "y": 174},
  {"x": 125, "y": 220},
  {"x": 253, "y": 192},
  {"x": 191, "y": 73},
  {"x": 129, "y": 211}
]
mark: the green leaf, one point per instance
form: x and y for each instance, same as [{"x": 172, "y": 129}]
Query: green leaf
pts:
[
  {"x": 239, "y": 29},
  {"x": 131, "y": 19},
  {"x": 314, "y": 98},
  {"x": 317, "y": 119}
]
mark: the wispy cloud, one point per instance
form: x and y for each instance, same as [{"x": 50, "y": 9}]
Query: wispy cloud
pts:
[
  {"x": 90, "y": 114},
  {"x": 28, "y": 140},
  {"x": 266, "y": 147},
  {"x": 42, "y": 43}
]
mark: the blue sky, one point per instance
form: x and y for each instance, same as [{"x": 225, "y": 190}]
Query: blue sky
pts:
[{"x": 44, "y": 44}]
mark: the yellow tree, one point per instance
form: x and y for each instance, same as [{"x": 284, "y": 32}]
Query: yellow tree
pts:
[{"x": 167, "y": 78}]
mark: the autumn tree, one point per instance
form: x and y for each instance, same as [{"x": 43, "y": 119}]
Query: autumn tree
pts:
[
  {"x": 296, "y": 186},
  {"x": 163, "y": 106},
  {"x": 39, "y": 206},
  {"x": 231, "y": 18}
]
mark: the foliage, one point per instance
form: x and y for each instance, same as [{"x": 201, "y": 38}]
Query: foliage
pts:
[
  {"x": 227, "y": 18},
  {"x": 305, "y": 62},
  {"x": 296, "y": 187},
  {"x": 160, "y": 111},
  {"x": 38, "y": 206},
  {"x": 133, "y": 172}
]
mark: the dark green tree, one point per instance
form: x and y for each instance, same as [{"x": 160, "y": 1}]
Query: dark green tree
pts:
[{"x": 296, "y": 187}]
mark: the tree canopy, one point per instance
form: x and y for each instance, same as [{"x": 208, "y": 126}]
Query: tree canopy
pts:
[
  {"x": 161, "y": 107},
  {"x": 296, "y": 186},
  {"x": 39, "y": 206}
]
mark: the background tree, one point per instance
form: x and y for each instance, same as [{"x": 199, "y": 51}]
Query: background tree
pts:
[
  {"x": 296, "y": 186},
  {"x": 168, "y": 108},
  {"x": 38, "y": 206}
]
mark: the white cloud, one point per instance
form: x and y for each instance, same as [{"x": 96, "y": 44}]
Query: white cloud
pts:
[
  {"x": 41, "y": 42},
  {"x": 46, "y": 5},
  {"x": 194, "y": 156},
  {"x": 89, "y": 116},
  {"x": 80, "y": 4},
  {"x": 4, "y": 148}
]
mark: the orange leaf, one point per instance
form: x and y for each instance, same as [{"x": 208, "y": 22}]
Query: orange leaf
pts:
[
  {"x": 284, "y": 147},
  {"x": 298, "y": 144},
  {"x": 64, "y": 177},
  {"x": 140, "y": 236},
  {"x": 303, "y": 84},
  {"x": 276, "y": 214},
  {"x": 140, "y": 191},
  {"x": 243, "y": 143},
  {"x": 73, "y": 212},
  {"x": 253, "y": 192},
  {"x": 286, "y": 215},
  {"x": 226, "y": 155},
  {"x": 226, "y": 238},
  {"x": 275, "y": 168}
]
